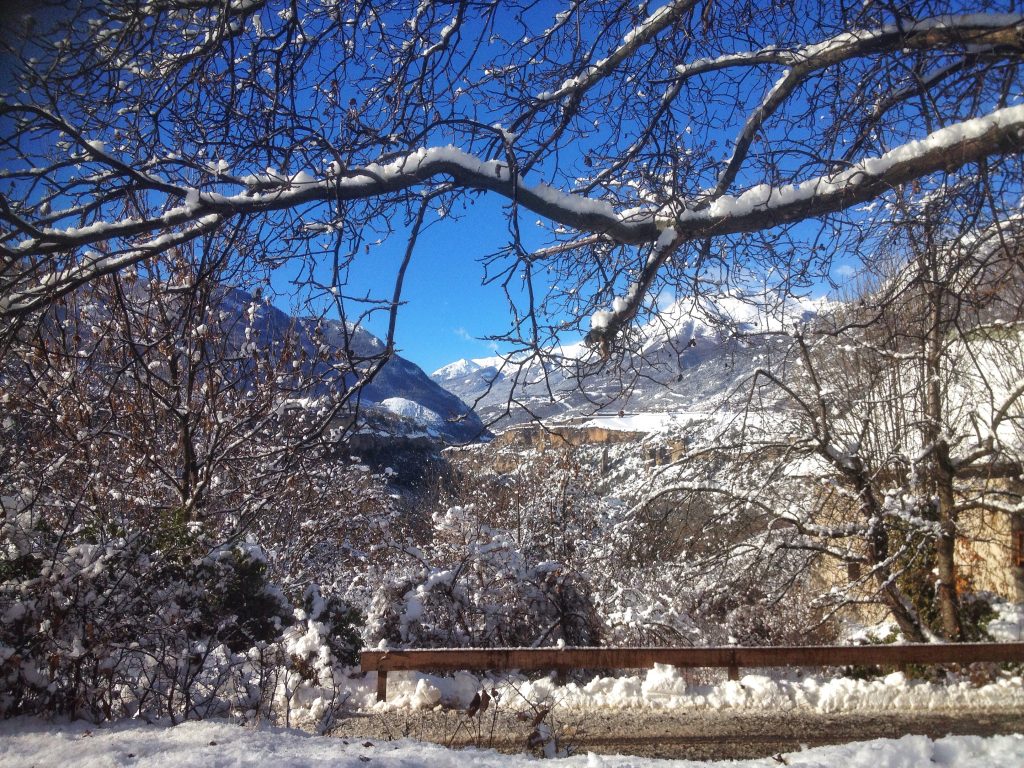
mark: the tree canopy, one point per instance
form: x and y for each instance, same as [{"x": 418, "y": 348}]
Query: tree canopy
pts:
[{"x": 670, "y": 145}]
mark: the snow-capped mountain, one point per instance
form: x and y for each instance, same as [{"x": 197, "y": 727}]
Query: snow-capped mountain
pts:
[
  {"x": 401, "y": 390},
  {"x": 688, "y": 358},
  {"x": 471, "y": 376}
]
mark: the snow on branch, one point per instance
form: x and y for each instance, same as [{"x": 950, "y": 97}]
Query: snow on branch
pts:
[
  {"x": 1001, "y": 131},
  {"x": 761, "y": 207},
  {"x": 637, "y": 37},
  {"x": 66, "y": 280},
  {"x": 765, "y": 206},
  {"x": 977, "y": 32}
]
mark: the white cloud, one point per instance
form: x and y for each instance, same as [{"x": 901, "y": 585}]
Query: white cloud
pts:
[{"x": 845, "y": 270}]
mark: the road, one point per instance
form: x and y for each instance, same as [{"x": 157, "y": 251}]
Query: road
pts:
[{"x": 691, "y": 734}]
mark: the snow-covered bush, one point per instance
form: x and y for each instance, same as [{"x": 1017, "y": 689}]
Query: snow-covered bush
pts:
[
  {"x": 540, "y": 554},
  {"x": 475, "y": 585},
  {"x": 655, "y": 562},
  {"x": 126, "y": 628},
  {"x": 157, "y": 456},
  {"x": 125, "y": 625},
  {"x": 504, "y": 563},
  {"x": 323, "y": 639}
]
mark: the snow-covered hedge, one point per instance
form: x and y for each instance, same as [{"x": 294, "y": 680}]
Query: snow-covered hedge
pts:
[{"x": 159, "y": 625}]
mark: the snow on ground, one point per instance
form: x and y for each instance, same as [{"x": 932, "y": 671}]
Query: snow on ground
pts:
[
  {"x": 668, "y": 422},
  {"x": 647, "y": 421},
  {"x": 409, "y": 409},
  {"x": 27, "y": 742},
  {"x": 667, "y": 688},
  {"x": 1008, "y": 625}
]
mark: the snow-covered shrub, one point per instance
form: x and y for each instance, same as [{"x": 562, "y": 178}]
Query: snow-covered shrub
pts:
[
  {"x": 323, "y": 640},
  {"x": 341, "y": 621},
  {"x": 476, "y": 586},
  {"x": 329, "y": 529},
  {"x": 157, "y": 453},
  {"x": 506, "y": 561},
  {"x": 540, "y": 554},
  {"x": 166, "y": 624},
  {"x": 664, "y": 560},
  {"x": 754, "y": 597},
  {"x": 647, "y": 605},
  {"x": 101, "y": 629}
]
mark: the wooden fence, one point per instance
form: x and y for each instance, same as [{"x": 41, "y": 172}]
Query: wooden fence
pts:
[{"x": 730, "y": 657}]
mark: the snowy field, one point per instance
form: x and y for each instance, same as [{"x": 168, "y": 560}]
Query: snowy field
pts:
[{"x": 25, "y": 743}]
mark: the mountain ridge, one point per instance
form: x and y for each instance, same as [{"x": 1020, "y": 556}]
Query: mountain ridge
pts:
[
  {"x": 437, "y": 414},
  {"x": 688, "y": 358}
]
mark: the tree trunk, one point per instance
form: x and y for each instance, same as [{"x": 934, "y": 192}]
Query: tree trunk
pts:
[
  {"x": 905, "y": 615},
  {"x": 903, "y": 612},
  {"x": 946, "y": 592},
  {"x": 940, "y": 467}
]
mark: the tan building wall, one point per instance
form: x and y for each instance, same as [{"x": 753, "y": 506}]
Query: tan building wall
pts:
[{"x": 986, "y": 555}]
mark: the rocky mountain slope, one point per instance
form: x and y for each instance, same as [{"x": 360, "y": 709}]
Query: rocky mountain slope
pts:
[{"x": 401, "y": 399}]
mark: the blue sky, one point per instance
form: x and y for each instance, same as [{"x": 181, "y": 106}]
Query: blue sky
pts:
[{"x": 447, "y": 310}]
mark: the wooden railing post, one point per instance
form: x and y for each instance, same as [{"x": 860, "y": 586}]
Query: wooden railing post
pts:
[
  {"x": 382, "y": 685},
  {"x": 734, "y": 667}
]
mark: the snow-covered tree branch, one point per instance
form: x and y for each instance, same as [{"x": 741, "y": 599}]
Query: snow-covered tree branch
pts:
[{"x": 638, "y": 136}]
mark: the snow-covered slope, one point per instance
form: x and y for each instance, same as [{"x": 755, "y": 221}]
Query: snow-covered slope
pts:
[
  {"x": 471, "y": 376},
  {"x": 428, "y": 408},
  {"x": 687, "y": 359}
]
